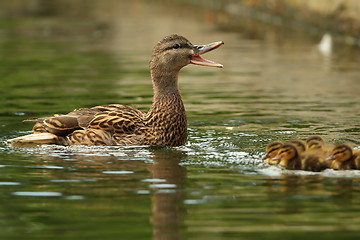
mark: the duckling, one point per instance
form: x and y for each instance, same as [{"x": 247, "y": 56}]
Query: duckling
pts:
[
  {"x": 300, "y": 145},
  {"x": 313, "y": 162},
  {"x": 344, "y": 158},
  {"x": 272, "y": 151},
  {"x": 165, "y": 124},
  {"x": 315, "y": 143},
  {"x": 289, "y": 157}
]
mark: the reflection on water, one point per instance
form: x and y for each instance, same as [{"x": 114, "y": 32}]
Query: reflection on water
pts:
[
  {"x": 167, "y": 200},
  {"x": 60, "y": 55}
]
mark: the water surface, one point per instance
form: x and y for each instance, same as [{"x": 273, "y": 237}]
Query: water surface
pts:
[{"x": 274, "y": 85}]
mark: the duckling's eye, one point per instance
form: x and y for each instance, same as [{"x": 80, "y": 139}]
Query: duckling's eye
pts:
[
  {"x": 339, "y": 152},
  {"x": 274, "y": 149},
  {"x": 283, "y": 151}
]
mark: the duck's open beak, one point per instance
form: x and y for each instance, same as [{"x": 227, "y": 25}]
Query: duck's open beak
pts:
[{"x": 201, "y": 49}]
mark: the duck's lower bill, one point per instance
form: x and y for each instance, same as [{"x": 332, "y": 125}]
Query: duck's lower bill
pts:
[
  {"x": 204, "y": 62},
  {"x": 201, "y": 49}
]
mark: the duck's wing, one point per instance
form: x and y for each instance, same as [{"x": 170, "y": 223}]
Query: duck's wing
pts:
[
  {"x": 121, "y": 126},
  {"x": 118, "y": 121},
  {"x": 101, "y": 121},
  {"x": 63, "y": 124}
]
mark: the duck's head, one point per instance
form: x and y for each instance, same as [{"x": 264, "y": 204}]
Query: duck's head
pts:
[
  {"x": 286, "y": 153},
  {"x": 341, "y": 153},
  {"x": 175, "y": 52},
  {"x": 272, "y": 150}
]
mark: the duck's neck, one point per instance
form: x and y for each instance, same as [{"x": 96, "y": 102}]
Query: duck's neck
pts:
[
  {"x": 164, "y": 82},
  {"x": 166, "y": 93},
  {"x": 167, "y": 114}
]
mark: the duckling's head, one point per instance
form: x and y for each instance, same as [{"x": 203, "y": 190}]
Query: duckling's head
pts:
[
  {"x": 341, "y": 153},
  {"x": 315, "y": 143},
  {"x": 272, "y": 150},
  {"x": 287, "y": 153},
  {"x": 300, "y": 145},
  {"x": 175, "y": 52}
]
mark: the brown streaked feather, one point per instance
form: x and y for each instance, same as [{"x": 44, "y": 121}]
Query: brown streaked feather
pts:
[
  {"x": 90, "y": 137},
  {"x": 100, "y": 125},
  {"x": 118, "y": 121},
  {"x": 39, "y": 128},
  {"x": 62, "y": 125}
]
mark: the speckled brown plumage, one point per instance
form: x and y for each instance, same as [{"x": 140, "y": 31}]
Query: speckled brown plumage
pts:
[{"x": 164, "y": 125}]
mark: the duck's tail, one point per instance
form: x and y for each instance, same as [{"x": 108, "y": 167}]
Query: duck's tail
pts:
[{"x": 36, "y": 139}]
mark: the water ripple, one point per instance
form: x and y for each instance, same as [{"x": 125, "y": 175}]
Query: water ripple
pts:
[{"x": 38, "y": 194}]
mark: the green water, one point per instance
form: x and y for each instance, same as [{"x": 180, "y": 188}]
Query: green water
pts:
[{"x": 61, "y": 56}]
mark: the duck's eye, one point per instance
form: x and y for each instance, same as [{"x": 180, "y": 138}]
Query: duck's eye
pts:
[{"x": 176, "y": 46}]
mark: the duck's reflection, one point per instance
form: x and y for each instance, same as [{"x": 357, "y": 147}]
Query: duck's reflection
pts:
[
  {"x": 168, "y": 197},
  {"x": 165, "y": 174}
]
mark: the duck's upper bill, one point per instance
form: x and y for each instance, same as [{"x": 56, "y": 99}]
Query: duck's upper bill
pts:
[{"x": 201, "y": 49}]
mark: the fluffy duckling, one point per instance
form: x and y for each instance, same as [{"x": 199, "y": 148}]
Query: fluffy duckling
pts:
[
  {"x": 289, "y": 157},
  {"x": 272, "y": 150},
  {"x": 315, "y": 143},
  {"x": 313, "y": 162},
  {"x": 300, "y": 145},
  {"x": 344, "y": 158}
]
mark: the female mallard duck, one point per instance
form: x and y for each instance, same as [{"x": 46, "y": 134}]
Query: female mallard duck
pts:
[
  {"x": 344, "y": 158},
  {"x": 289, "y": 157},
  {"x": 164, "y": 125},
  {"x": 271, "y": 151}
]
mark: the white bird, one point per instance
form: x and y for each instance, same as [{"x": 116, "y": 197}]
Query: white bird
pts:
[{"x": 325, "y": 46}]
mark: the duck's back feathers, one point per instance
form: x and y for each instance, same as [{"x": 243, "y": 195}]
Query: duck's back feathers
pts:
[
  {"x": 112, "y": 125},
  {"x": 100, "y": 125}
]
